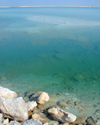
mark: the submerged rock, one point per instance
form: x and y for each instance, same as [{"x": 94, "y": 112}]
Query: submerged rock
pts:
[
  {"x": 35, "y": 96},
  {"x": 62, "y": 104},
  {"x": 61, "y": 115},
  {"x": 14, "y": 108},
  {"x": 4, "y": 92},
  {"x": 97, "y": 112},
  {"x": 91, "y": 121},
  {"x": 3, "y": 77},
  {"x": 78, "y": 77},
  {"x": 80, "y": 120},
  {"x": 53, "y": 99}
]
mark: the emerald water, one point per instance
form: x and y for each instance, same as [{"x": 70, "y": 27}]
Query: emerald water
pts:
[{"x": 51, "y": 49}]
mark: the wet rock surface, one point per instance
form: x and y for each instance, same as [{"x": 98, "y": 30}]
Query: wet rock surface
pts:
[{"x": 90, "y": 121}]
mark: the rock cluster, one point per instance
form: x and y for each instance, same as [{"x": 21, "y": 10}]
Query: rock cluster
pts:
[{"x": 37, "y": 111}]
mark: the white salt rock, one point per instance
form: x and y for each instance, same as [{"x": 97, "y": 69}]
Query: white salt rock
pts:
[
  {"x": 4, "y": 92},
  {"x": 44, "y": 97},
  {"x": 31, "y": 105},
  {"x": 6, "y": 121},
  {"x": 14, "y": 108},
  {"x": 61, "y": 115}
]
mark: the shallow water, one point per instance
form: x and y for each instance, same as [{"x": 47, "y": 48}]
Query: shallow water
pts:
[{"x": 51, "y": 49}]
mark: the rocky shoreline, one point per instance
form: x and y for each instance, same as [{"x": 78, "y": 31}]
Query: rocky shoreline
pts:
[{"x": 39, "y": 108}]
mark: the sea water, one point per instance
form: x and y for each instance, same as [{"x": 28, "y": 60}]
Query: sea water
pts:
[{"x": 56, "y": 50}]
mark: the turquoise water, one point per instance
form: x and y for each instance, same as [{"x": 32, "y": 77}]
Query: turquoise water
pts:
[{"x": 51, "y": 49}]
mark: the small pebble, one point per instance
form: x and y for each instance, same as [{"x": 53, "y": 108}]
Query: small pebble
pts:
[
  {"x": 62, "y": 104},
  {"x": 3, "y": 78}
]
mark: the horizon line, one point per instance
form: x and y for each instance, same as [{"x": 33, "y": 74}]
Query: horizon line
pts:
[{"x": 50, "y": 6}]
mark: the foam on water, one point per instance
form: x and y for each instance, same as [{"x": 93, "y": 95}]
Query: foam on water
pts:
[{"x": 62, "y": 21}]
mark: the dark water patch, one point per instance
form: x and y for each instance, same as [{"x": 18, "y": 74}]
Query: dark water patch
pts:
[{"x": 55, "y": 57}]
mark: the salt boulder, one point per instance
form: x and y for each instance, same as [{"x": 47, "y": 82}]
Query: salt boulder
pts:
[
  {"x": 14, "y": 108},
  {"x": 62, "y": 116},
  {"x": 91, "y": 121},
  {"x": 44, "y": 97},
  {"x": 4, "y": 92},
  {"x": 31, "y": 105},
  {"x": 80, "y": 120}
]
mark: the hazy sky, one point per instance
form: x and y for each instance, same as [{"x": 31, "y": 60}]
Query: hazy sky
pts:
[{"x": 49, "y": 2}]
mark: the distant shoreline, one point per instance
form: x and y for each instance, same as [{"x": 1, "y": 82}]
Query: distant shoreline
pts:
[{"x": 47, "y": 6}]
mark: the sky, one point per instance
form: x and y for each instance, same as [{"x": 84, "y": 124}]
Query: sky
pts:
[{"x": 49, "y": 2}]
